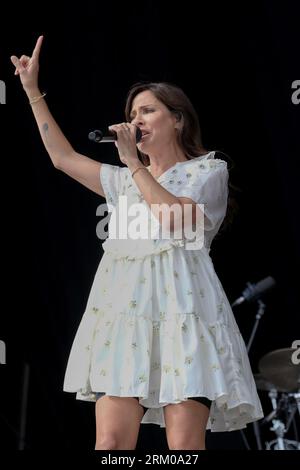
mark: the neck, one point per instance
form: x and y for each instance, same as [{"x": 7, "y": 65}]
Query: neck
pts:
[{"x": 161, "y": 161}]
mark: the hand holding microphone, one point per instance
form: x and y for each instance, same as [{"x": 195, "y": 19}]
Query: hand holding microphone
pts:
[
  {"x": 99, "y": 137},
  {"x": 125, "y": 136}
]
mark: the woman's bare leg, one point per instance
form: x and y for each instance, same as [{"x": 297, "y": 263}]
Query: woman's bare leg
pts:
[
  {"x": 186, "y": 425},
  {"x": 117, "y": 422}
]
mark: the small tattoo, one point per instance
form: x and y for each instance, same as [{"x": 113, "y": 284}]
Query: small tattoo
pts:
[{"x": 46, "y": 129}]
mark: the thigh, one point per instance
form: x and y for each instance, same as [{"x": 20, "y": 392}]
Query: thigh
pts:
[
  {"x": 186, "y": 424},
  {"x": 117, "y": 422}
]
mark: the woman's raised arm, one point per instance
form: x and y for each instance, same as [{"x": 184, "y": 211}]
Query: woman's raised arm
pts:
[{"x": 79, "y": 167}]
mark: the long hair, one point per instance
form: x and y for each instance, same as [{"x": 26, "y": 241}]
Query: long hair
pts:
[{"x": 189, "y": 135}]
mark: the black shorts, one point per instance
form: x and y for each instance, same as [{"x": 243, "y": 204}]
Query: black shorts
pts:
[{"x": 205, "y": 401}]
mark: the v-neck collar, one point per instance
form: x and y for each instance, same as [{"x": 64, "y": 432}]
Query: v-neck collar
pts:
[{"x": 201, "y": 157}]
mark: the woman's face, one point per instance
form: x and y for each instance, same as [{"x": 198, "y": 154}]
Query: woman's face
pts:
[{"x": 155, "y": 121}]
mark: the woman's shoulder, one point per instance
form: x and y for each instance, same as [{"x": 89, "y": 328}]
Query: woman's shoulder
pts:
[{"x": 207, "y": 161}]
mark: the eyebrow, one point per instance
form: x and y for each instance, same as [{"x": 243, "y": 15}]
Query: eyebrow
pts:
[{"x": 144, "y": 106}]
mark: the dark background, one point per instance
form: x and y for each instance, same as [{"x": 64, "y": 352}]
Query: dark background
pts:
[{"x": 237, "y": 64}]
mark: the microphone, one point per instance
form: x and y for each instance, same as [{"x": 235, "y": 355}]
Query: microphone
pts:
[
  {"x": 254, "y": 291},
  {"x": 98, "y": 136}
]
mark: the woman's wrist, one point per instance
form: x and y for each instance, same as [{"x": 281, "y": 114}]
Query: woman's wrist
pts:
[
  {"x": 133, "y": 164},
  {"x": 32, "y": 92}
]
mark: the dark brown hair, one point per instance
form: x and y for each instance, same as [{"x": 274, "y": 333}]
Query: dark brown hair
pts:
[{"x": 189, "y": 136}]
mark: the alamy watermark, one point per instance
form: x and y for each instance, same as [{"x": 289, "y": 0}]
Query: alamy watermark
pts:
[
  {"x": 2, "y": 92},
  {"x": 296, "y": 94},
  {"x": 2, "y": 352},
  {"x": 296, "y": 355},
  {"x": 175, "y": 222}
]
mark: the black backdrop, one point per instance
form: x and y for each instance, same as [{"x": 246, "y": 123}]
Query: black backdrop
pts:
[{"x": 237, "y": 66}]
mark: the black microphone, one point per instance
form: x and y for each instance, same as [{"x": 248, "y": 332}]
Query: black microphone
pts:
[
  {"x": 254, "y": 291},
  {"x": 98, "y": 136}
]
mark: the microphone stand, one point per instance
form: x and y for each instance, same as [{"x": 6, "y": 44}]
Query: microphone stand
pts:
[{"x": 259, "y": 314}]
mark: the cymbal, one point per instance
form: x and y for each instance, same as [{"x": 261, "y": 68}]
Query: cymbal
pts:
[
  {"x": 277, "y": 368},
  {"x": 263, "y": 384}
]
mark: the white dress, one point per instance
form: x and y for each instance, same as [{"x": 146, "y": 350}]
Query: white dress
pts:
[{"x": 158, "y": 324}]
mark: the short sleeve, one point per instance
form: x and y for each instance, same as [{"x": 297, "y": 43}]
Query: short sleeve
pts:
[
  {"x": 205, "y": 181},
  {"x": 110, "y": 178}
]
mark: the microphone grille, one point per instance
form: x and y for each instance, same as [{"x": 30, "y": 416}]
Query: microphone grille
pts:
[{"x": 95, "y": 136}]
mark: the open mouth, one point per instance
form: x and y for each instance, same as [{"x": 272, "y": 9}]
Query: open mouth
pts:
[{"x": 144, "y": 135}]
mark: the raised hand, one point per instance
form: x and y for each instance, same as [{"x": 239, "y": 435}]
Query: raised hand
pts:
[{"x": 28, "y": 67}]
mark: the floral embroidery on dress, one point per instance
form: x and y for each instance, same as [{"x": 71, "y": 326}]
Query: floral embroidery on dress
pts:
[
  {"x": 212, "y": 330},
  {"x": 220, "y": 307},
  {"x": 157, "y": 323},
  {"x": 167, "y": 290},
  {"x": 142, "y": 378},
  {"x": 139, "y": 197},
  {"x": 162, "y": 316},
  {"x": 188, "y": 360},
  {"x": 184, "y": 327}
]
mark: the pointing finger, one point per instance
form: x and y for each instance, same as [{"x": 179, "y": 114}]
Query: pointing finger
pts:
[{"x": 36, "y": 50}]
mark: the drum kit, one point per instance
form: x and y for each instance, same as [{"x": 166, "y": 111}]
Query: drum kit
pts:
[{"x": 279, "y": 375}]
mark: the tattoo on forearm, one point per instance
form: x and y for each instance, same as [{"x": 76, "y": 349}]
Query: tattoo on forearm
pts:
[{"x": 45, "y": 130}]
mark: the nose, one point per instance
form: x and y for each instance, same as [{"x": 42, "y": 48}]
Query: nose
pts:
[{"x": 137, "y": 121}]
